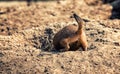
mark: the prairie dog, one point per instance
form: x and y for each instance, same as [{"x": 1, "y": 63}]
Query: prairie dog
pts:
[{"x": 71, "y": 37}]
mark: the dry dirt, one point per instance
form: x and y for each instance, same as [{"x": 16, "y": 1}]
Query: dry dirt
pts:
[{"x": 26, "y": 35}]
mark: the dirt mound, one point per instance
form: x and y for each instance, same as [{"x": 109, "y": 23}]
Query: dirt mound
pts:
[{"x": 27, "y": 32}]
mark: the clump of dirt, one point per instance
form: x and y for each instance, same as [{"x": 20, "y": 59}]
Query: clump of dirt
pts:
[
  {"x": 26, "y": 39},
  {"x": 44, "y": 42}
]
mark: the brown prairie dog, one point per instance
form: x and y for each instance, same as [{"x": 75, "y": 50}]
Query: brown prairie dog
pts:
[{"x": 71, "y": 37}]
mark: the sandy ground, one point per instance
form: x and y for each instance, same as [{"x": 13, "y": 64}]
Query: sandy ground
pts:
[{"x": 26, "y": 35}]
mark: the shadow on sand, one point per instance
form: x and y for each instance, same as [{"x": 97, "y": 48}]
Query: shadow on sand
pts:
[{"x": 116, "y": 8}]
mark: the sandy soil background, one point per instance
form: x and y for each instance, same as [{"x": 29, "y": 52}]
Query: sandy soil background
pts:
[{"x": 26, "y": 34}]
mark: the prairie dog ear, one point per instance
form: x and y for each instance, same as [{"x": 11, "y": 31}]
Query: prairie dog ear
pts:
[{"x": 83, "y": 22}]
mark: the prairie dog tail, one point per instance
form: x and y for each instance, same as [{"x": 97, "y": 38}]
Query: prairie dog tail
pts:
[{"x": 79, "y": 21}]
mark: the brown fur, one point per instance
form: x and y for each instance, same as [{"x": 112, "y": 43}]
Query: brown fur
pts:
[{"x": 71, "y": 37}]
